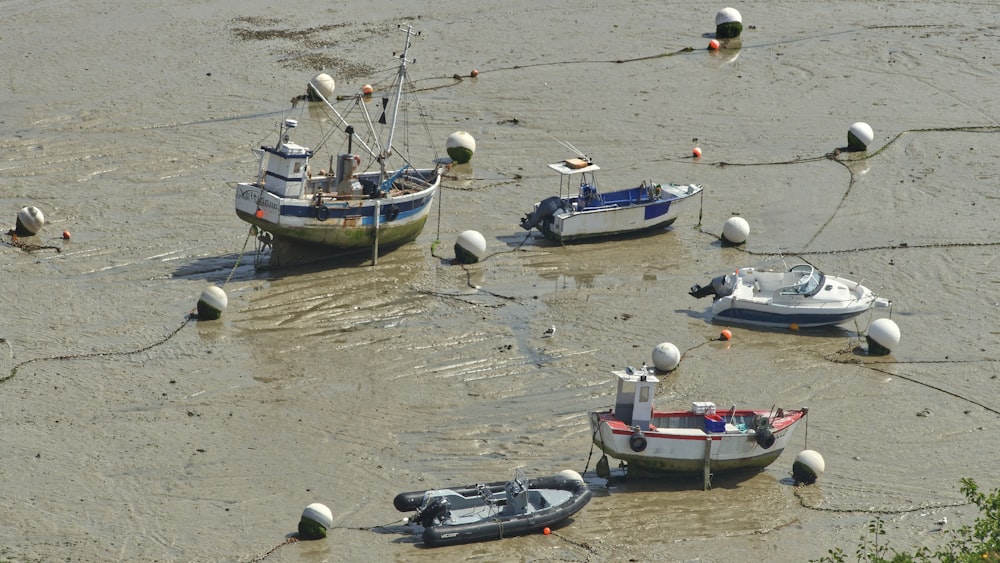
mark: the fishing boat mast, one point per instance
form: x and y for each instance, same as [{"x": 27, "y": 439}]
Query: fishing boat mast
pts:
[{"x": 400, "y": 82}]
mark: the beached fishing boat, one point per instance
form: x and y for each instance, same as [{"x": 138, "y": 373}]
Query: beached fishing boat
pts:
[
  {"x": 368, "y": 196},
  {"x": 491, "y": 511},
  {"x": 582, "y": 211},
  {"x": 798, "y": 297},
  {"x": 698, "y": 441}
]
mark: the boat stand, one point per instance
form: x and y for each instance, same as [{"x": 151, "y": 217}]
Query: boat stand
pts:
[{"x": 707, "y": 467}]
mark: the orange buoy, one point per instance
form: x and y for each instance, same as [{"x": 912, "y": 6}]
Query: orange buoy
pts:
[
  {"x": 66, "y": 235},
  {"x": 546, "y": 531},
  {"x": 696, "y": 152},
  {"x": 713, "y": 45},
  {"x": 726, "y": 335},
  {"x": 793, "y": 326},
  {"x": 474, "y": 73},
  {"x": 259, "y": 214}
]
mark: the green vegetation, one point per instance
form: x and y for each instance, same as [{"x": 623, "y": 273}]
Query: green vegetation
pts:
[{"x": 979, "y": 543}]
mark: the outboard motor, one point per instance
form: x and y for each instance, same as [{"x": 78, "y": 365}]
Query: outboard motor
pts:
[
  {"x": 720, "y": 286},
  {"x": 437, "y": 511},
  {"x": 546, "y": 208}
]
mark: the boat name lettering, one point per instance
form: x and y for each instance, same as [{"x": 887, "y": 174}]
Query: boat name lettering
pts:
[{"x": 248, "y": 192}]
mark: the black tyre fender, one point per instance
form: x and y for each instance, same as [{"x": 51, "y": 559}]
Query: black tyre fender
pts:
[
  {"x": 765, "y": 438},
  {"x": 637, "y": 442}
]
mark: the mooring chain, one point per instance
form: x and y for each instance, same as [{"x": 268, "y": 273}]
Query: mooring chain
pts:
[
  {"x": 16, "y": 243},
  {"x": 13, "y": 370},
  {"x": 926, "y": 506}
]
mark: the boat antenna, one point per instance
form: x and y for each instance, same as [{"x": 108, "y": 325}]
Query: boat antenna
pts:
[
  {"x": 400, "y": 80},
  {"x": 570, "y": 147}
]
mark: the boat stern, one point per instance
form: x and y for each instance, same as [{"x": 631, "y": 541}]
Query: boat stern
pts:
[{"x": 256, "y": 205}]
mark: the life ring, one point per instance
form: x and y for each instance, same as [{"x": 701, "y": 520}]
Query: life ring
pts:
[
  {"x": 637, "y": 442},
  {"x": 391, "y": 213},
  {"x": 765, "y": 438},
  {"x": 322, "y": 213}
]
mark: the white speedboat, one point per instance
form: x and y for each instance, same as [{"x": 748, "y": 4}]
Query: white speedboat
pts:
[{"x": 799, "y": 297}]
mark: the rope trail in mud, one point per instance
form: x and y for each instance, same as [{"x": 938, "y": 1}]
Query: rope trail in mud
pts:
[
  {"x": 926, "y": 506},
  {"x": 836, "y": 157},
  {"x": 15, "y": 242},
  {"x": 192, "y": 315},
  {"x": 18, "y": 366},
  {"x": 468, "y": 277}
]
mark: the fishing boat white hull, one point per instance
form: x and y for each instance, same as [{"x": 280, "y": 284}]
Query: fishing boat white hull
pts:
[
  {"x": 346, "y": 224},
  {"x": 591, "y": 214},
  {"x": 678, "y": 442},
  {"x": 370, "y": 200},
  {"x": 697, "y": 441},
  {"x": 800, "y": 297}
]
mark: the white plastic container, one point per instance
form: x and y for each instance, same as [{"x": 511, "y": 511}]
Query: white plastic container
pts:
[{"x": 702, "y": 407}]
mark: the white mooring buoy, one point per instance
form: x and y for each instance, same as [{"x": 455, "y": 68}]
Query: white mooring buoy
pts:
[
  {"x": 29, "y": 221},
  {"x": 666, "y": 357},
  {"x": 212, "y": 303},
  {"x": 460, "y": 146},
  {"x": 883, "y": 336},
  {"x": 316, "y": 520},
  {"x": 859, "y": 136},
  {"x": 808, "y": 467},
  {"x": 321, "y": 84},
  {"x": 728, "y": 23},
  {"x": 735, "y": 230},
  {"x": 470, "y": 247}
]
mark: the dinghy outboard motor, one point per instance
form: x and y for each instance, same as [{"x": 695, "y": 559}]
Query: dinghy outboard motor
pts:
[
  {"x": 720, "y": 286},
  {"x": 546, "y": 208},
  {"x": 437, "y": 511}
]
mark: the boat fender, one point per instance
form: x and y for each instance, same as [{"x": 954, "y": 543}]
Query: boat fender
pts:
[
  {"x": 391, "y": 213},
  {"x": 637, "y": 442},
  {"x": 322, "y": 213},
  {"x": 765, "y": 438}
]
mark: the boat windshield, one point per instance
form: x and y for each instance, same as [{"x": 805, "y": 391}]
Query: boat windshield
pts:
[{"x": 808, "y": 284}]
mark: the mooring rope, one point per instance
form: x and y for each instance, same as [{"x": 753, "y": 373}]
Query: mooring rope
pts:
[{"x": 16, "y": 243}]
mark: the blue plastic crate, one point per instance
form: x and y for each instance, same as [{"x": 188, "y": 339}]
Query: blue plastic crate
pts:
[{"x": 714, "y": 423}]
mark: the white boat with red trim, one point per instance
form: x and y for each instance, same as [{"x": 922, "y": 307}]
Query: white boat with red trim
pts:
[{"x": 698, "y": 441}]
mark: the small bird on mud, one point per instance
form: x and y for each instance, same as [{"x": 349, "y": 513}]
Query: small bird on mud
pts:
[{"x": 549, "y": 332}]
